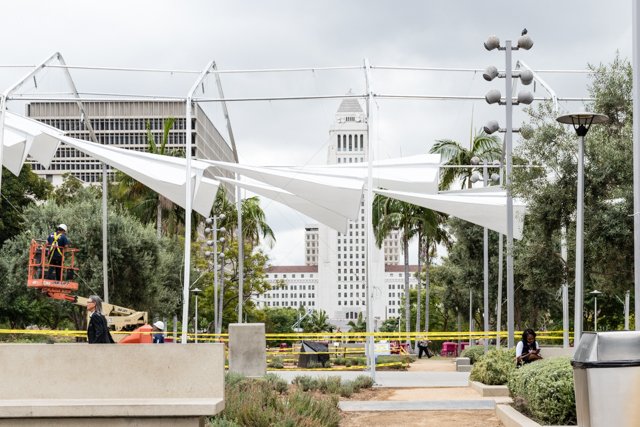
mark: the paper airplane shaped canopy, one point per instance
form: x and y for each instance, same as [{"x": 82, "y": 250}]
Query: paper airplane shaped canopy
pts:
[{"x": 487, "y": 209}]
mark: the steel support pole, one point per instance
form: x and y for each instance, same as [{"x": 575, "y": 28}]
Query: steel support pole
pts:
[
  {"x": 195, "y": 321},
  {"x": 371, "y": 357},
  {"x": 636, "y": 159},
  {"x": 485, "y": 338},
  {"x": 188, "y": 204},
  {"x": 215, "y": 274},
  {"x": 579, "y": 290},
  {"x": 565, "y": 289},
  {"x": 508, "y": 149},
  {"x": 626, "y": 310},
  {"x": 565, "y": 316},
  {"x": 240, "y": 251},
  {"x": 595, "y": 313},
  {"x": 499, "y": 302}
]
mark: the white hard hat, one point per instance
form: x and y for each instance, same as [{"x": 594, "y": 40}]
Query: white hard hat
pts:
[
  {"x": 159, "y": 324},
  {"x": 63, "y": 227}
]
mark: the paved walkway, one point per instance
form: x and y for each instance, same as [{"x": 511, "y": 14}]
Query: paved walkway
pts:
[{"x": 429, "y": 385}]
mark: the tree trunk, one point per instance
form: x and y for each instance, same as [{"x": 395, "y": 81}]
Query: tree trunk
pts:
[{"x": 407, "y": 306}]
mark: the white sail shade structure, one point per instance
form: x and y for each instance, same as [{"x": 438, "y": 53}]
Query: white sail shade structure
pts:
[
  {"x": 342, "y": 195},
  {"x": 485, "y": 208},
  {"x": 417, "y": 174},
  {"x": 321, "y": 214},
  {"x": 163, "y": 174}
]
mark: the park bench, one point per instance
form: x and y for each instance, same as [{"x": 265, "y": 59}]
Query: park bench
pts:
[{"x": 82, "y": 384}]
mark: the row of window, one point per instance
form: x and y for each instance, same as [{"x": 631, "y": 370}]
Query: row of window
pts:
[
  {"x": 113, "y": 124},
  {"x": 302, "y": 295},
  {"x": 289, "y": 304},
  {"x": 351, "y": 303},
  {"x": 351, "y": 142},
  {"x": 293, "y": 276},
  {"x": 351, "y": 160}
]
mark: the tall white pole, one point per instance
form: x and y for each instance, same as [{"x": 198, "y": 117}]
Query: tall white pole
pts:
[
  {"x": 579, "y": 290},
  {"x": 195, "y": 322},
  {"x": 636, "y": 159},
  {"x": 499, "y": 302},
  {"x": 485, "y": 176},
  {"x": 371, "y": 357},
  {"x": 215, "y": 274},
  {"x": 595, "y": 313},
  {"x": 188, "y": 204},
  {"x": 565, "y": 290},
  {"x": 565, "y": 316},
  {"x": 240, "y": 251},
  {"x": 626, "y": 311},
  {"x": 508, "y": 149}
]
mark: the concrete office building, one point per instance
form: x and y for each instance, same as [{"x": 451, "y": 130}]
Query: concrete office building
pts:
[{"x": 124, "y": 124}]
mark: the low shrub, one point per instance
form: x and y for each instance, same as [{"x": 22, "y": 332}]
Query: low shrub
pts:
[
  {"x": 340, "y": 361},
  {"x": 276, "y": 363},
  {"x": 305, "y": 382},
  {"x": 347, "y": 389},
  {"x": 263, "y": 402},
  {"x": 544, "y": 391},
  {"x": 363, "y": 381},
  {"x": 495, "y": 367},
  {"x": 474, "y": 353},
  {"x": 277, "y": 384}
]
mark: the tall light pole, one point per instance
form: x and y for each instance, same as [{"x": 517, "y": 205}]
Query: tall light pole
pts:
[
  {"x": 595, "y": 294},
  {"x": 524, "y": 97},
  {"x": 581, "y": 123},
  {"x": 196, "y": 292},
  {"x": 213, "y": 221}
]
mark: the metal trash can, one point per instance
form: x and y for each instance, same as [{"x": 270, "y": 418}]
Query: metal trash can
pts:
[{"x": 606, "y": 374}]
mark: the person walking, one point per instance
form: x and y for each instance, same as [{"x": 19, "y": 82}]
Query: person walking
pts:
[
  {"x": 98, "y": 329},
  {"x": 423, "y": 347},
  {"x": 56, "y": 242}
]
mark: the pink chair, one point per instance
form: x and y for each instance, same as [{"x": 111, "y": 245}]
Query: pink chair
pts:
[{"x": 449, "y": 349}]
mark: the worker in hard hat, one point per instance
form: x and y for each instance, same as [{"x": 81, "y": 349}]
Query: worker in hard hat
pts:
[
  {"x": 56, "y": 242},
  {"x": 158, "y": 332}
]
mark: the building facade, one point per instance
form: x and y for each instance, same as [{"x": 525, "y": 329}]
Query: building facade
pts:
[
  {"x": 340, "y": 258},
  {"x": 124, "y": 124}
]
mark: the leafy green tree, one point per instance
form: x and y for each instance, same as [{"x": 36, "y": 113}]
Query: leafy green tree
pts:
[
  {"x": 19, "y": 192},
  {"x": 143, "y": 271}
]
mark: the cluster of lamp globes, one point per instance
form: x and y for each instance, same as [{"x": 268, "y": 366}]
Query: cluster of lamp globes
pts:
[
  {"x": 475, "y": 176},
  {"x": 526, "y": 77},
  {"x": 209, "y": 230}
]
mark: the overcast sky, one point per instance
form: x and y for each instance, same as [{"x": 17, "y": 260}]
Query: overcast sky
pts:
[{"x": 237, "y": 34}]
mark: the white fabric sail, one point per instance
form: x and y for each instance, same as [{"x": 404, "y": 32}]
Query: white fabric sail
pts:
[
  {"x": 412, "y": 174},
  {"x": 319, "y": 213},
  {"x": 487, "y": 209},
  {"x": 340, "y": 194}
]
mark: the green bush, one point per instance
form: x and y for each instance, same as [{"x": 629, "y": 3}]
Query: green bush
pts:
[
  {"x": 347, "y": 389},
  {"x": 261, "y": 403},
  {"x": 544, "y": 391},
  {"x": 363, "y": 381},
  {"x": 276, "y": 363},
  {"x": 340, "y": 361},
  {"x": 474, "y": 353},
  {"x": 305, "y": 382},
  {"x": 495, "y": 367},
  {"x": 277, "y": 384}
]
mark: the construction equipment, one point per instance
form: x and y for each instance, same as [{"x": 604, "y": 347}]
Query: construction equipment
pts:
[{"x": 61, "y": 284}]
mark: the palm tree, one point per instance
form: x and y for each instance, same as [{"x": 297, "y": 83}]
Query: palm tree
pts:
[
  {"x": 453, "y": 154},
  {"x": 145, "y": 203},
  {"x": 318, "y": 322},
  {"x": 359, "y": 325},
  {"x": 391, "y": 214}
]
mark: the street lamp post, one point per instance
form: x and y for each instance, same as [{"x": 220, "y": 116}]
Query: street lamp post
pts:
[
  {"x": 595, "y": 294},
  {"x": 581, "y": 123},
  {"x": 196, "y": 292},
  {"x": 524, "y": 97},
  {"x": 214, "y": 243}
]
